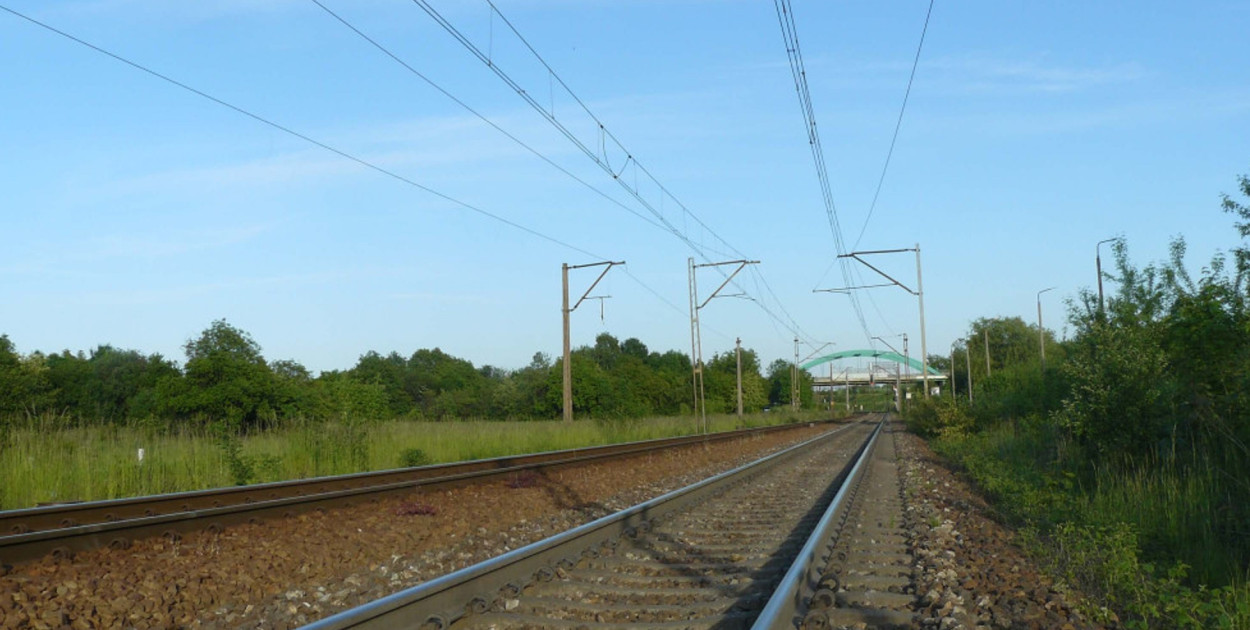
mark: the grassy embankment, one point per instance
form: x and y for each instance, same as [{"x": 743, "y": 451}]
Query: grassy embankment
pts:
[
  {"x": 1158, "y": 542},
  {"x": 46, "y": 463}
]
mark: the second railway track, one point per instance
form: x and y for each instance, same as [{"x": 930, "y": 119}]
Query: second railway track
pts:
[{"x": 62, "y": 530}]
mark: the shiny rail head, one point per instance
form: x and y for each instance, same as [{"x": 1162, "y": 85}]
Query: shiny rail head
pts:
[
  {"x": 782, "y": 608},
  {"x": 443, "y": 599}
]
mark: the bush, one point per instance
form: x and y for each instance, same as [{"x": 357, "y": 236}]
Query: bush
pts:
[
  {"x": 932, "y": 417},
  {"x": 1104, "y": 563},
  {"x": 413, "y": 457}
]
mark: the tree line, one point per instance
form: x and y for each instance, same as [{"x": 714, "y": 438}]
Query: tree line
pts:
[{"x": 226, "y": 377}]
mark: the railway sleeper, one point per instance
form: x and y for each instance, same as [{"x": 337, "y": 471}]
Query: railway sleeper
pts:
[
  {"x": 510, "y": 621},
  {"x": 599, "y": 612},
  {"x": 652, "y": 595},
  {"x": 867, "y": 581},
  {"x": 877, "y": 618},
  {"x": 671, "y": 581},
  {"x": 711, "y": 551},
  {"x": 673, "y": 568}
]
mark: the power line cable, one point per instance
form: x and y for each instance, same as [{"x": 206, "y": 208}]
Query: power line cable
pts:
[
  {"x": 600, "y": 158},
  {"x": 480, "y": 116},
  {"x": 510, "y": 136},
  {"x": 302, "y": 136},
  {"x": 897, "y": 125},
  {"x": 798, "y": 71},
  {"x": 361, "y": 161}
]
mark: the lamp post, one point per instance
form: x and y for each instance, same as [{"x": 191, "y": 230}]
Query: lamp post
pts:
[
  {"x": 1098, "y": 263},
  {"x": 1041, "y": 332},
  {"x": 951, "y": 375},
  {"x": 968, "y": 360}
]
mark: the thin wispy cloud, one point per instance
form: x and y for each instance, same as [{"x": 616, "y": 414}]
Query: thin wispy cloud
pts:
[
  {"x": 288, "y": 168},
  {"x": 440, "y": 297},
  {"x": 973, "y": 73},
  {"x": 984, "y": 73},
  {"x": 164, "y": 11},
  {"x": 161, "y": 245},
  {"x": 164, "y": 295}
]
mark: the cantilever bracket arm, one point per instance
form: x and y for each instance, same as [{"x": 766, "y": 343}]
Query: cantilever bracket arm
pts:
[
  {"x": 849, "y": 289},
  {"x": 856, "y": 256},
  {"x": 585, "y": 296},
  {"x": 741, "y": 265}
]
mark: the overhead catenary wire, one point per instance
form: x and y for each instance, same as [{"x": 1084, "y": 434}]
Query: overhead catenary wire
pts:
[
  {"x": 789, "y": 32},
  {"x": 341, "y": 153},
  {"x": 486, "y": 60},
  {"x": 389, "y": 53},
  {"x": 598, "y": 155},
  {"x": 306, "y": 138},
  {"x": 386, "y": 51},
  {"x": 897, "y": 125}
]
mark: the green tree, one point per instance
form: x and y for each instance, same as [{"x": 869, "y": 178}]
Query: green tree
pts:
[
  {"x": 721, "y": 383},
  {"x": 227, "y": 377},
  {"x": 779, "y": 380},
  {"x": 392, "y": 373},
  {"x": 24, "y": 386}
]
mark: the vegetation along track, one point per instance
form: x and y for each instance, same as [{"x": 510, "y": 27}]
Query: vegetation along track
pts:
[
  {"x": 61, "y": 530},
  {"x": 708, "y": 555}
]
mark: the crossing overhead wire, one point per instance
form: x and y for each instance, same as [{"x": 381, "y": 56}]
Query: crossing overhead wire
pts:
[
  {"x": 897, "y": 124},
  {"x": 599, "y": 154},
  {"x": 393, "y": 56},
  {"x": 525, "y": 95},
  {"x": 798, "y": 71},
  {"x": 306, "y": 138},
  {"x": 386, "y": 51}
]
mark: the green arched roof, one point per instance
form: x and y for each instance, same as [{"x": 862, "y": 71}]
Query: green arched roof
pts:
[{"x": 875, "y": 354}]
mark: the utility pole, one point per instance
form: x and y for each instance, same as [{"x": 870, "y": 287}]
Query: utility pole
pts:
[
  {"x": 924, "y": 349},
  {"x": 951, "y": 375},
  {"x": 696, "y": 341},
  {"x": 831, "y": 389},
  {"x": 968, "y": 357},
  {"x": 565, "y": 311},
  {"x": 919, "y": 293},
  {"x": 847, "y": 374},
  {"x": 898, "y": 376},
  {"x": 794, "y": 378},
  {"x": 987, "y": 352},
  {"x": 1041, "y": 332},
  {"x": 907, "y": 360},
  {"x": 1098, "y": 263},
  {"x": 738, "y": 351}
]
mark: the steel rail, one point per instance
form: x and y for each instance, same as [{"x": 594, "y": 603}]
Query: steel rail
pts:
[
  {"x": 62, "y": 530},
  {"x": 438, "y": 603},
  {"x": 799, "y": 583}
]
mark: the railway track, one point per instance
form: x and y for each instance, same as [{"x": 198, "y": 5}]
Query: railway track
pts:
[
  {"x": 62, "y": 530},
  {"x": 857, "y": 569},
  {"x": 745, "y": 547}
]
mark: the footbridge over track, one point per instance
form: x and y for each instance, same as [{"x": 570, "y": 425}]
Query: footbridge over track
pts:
[{"x": 888, "y": 367}]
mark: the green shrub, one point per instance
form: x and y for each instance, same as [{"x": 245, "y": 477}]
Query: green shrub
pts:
[
  {"x": 936, "y": 416},
  {"x": 413, "y": 457}
]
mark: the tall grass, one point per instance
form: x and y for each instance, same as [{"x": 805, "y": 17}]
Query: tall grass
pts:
[
  {"x": 1192, "y": 510},
  {"x": 46, "y": 463},
  {"x": 1164, "y": 539}
]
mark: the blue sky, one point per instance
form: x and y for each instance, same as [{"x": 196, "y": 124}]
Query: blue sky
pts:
[{"x": 135, "y": 213}]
